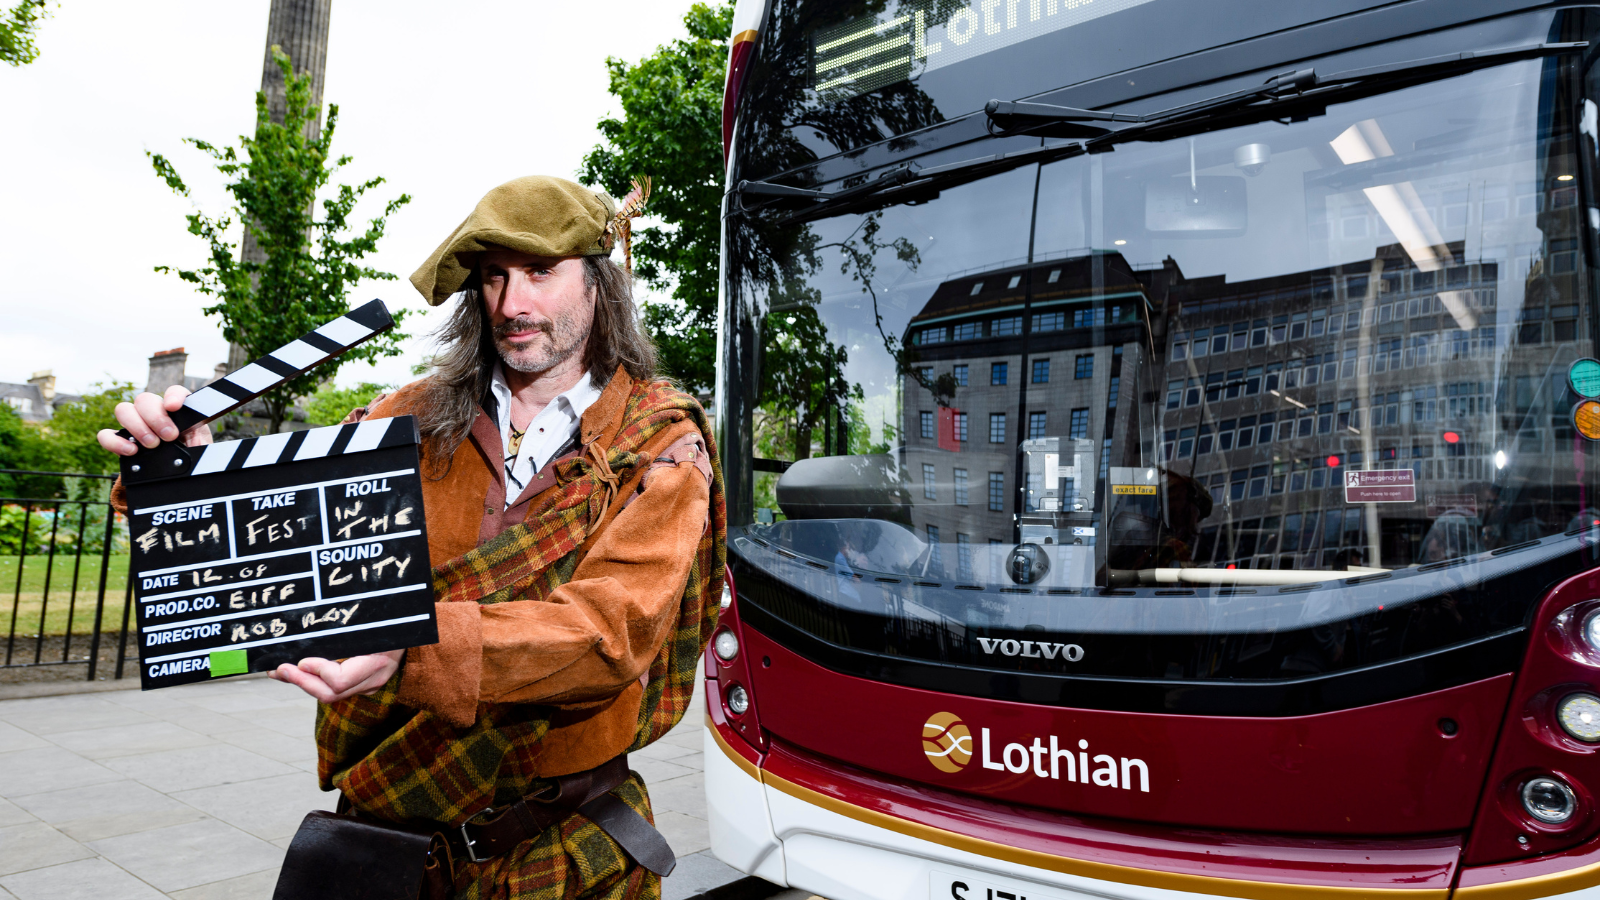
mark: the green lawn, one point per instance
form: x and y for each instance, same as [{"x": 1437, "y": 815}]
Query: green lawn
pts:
[{"x": 31, "y": 596}]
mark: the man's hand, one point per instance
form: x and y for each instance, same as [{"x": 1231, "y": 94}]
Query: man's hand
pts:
[
  {"x": 147, "y": 419},
  {"x": 331, "y": 681}
]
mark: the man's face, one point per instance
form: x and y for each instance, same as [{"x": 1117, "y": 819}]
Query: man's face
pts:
[{"x": 539, "y": 308}]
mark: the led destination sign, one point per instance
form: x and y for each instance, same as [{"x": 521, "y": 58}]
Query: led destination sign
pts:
[
  {"x": 279, "y": 548},
  {"x": 917, "y": 36}
]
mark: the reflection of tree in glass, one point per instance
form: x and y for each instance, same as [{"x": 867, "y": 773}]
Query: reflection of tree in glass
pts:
[
  {"x": 783, "y": 104},
  {"x": 801, "y": 383},
  {"x": 802, "y": 378},
  {"x": 860, "y": 431},
  {"x": 860, "y": 252}
]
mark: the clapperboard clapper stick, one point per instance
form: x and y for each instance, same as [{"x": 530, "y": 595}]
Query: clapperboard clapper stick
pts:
[{"x": 248, "y": 554}]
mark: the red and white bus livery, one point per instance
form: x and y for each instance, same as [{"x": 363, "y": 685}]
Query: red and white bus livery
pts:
[{"x": 1163, "y": 450}]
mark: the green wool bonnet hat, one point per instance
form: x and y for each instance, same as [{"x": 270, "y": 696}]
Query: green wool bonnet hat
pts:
[{"x": 538, "y": 214}]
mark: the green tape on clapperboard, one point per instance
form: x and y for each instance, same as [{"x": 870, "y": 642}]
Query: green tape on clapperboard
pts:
[
  {"x": 228, "y": 662},
  {"x": 1584, "y": 376}
]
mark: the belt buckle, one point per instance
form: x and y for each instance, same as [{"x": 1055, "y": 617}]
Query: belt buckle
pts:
[{"x": 466, "y": 839}]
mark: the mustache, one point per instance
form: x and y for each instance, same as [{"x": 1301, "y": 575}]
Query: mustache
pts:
[{"x": 521, "y": 323}]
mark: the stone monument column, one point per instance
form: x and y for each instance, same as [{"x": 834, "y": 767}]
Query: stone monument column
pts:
[{"x": 300, "y": 29}]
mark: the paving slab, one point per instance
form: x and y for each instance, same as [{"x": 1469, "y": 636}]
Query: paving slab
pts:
[
  {"x": 146, "y": 701},
  {"x": 203, "y": 721},
  {"x": 662, "y": 749},
  {"x": 127, "y": 740},
  {"x": 696, "y": 874},
  {"x": 98, "y": 828},
  {"x": 87, "y": 878},
  {"x": 269, "y": 808},
  {"x": 45, "y": 716},
  {"x": 49, "y": 769},
  {"x": 255, "y": 886},
  {"x": 14, "y": 738},
  {"x": 36, "y": 845},
  {"x": 296, "y": 722},
  {"x": 686, "y": 735},
  {"x": 654, "y": 771},
  {"x": 72, "y": 804},
  {"x": 684, "y": 794},
  {"x": 249, "y": 702},
  {"x": 195, "y": 767},
  {"x": 300, "y": 752},
  {"x": 185, "y": 856},
  {"x": 108, "y": 810},
  {"x": 685, "y": 834},
  {"x": 11, "y": 814}
]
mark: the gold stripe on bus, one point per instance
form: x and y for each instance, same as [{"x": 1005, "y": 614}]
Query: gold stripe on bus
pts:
[
  {"x": 745, "y": 764},
  {"x": 744, "y": 36},
  {"x": 1547, "y": 885},
  {"x": 1172, "y": 881}
]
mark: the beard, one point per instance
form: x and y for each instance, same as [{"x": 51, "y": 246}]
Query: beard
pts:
[{"x": 562, "y": 338}]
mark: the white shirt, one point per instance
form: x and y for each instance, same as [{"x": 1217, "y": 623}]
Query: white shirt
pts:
[{"x": 552, "y": 429}]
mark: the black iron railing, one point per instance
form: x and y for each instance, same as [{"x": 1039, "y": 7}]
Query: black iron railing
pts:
[{"x": 81, "y": 534}]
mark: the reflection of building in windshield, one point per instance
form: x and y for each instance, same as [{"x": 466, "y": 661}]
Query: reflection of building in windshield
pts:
[
  {"x": 962, "y": 458},
  {"x": 1262, "y": 395}
]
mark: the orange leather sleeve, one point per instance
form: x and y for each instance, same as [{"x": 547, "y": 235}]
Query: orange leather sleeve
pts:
[{"x": 595, "y": 635}]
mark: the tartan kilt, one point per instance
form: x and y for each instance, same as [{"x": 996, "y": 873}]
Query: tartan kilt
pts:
[
  {"x": 408, "y": 765},
  {"x": 571, "y": 860}
]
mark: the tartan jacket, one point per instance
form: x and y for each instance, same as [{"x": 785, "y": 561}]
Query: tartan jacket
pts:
[{"x": 403, "y": 754}]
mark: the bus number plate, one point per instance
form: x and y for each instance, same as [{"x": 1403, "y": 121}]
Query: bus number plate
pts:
[{"x": 967, "y": 886}]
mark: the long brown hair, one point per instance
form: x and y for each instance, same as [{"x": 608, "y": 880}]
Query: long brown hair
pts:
[{"x": 464, "y": 365}]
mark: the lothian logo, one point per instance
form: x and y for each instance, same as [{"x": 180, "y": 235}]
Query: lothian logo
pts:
[{"x": 947, "y": 742}]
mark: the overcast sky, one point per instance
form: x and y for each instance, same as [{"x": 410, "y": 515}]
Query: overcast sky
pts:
[{"x": 443, "y": 100}]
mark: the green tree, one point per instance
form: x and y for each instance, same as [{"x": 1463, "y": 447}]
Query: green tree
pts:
[
  {"x": 329, "y": 405},
  {"x": 70, "y": 433},
  {"x": 17, "y": 29},
  {"x": 23, "y": 448},
  {"x": 671, "y": 130},
  {"x": 312, "y": 260}
]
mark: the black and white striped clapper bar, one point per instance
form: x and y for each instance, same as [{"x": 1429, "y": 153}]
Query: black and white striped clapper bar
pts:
[{"x": 247, "y": 554}]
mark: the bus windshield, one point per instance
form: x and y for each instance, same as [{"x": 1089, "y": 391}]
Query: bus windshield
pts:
[{"x": 1258, "y": 381}]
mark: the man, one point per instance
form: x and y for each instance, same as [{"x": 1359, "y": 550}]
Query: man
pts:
[{"x": 575, "y": 524}]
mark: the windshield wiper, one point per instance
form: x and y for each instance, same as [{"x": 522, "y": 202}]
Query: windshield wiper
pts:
[
  {"x": 1303, "y": 86},
  {"x": 891, "y": 177},
  {"x": 907, "y": 182}
]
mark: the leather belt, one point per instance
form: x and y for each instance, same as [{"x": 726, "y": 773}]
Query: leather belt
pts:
[{"x": 492, "y": 832}]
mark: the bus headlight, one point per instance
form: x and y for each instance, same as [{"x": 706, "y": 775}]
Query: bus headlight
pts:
[
  {"x": 1579, "y": 715},
  {"x": 739, "y": 704},
  {"x": 1549, "y": 800},
  {"x": 1591, "y": 631},
  {"x": 726, "y": 645}
]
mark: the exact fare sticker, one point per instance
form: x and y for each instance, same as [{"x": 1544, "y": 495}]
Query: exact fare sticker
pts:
[
  {"x": 1380, "y": 486},
  {"x": 1136, "y": 489},
  {"x": 1586, "y": 419}
]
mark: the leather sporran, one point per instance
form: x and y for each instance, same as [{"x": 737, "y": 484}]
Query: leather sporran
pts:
[{"x": 334, "y": 857}]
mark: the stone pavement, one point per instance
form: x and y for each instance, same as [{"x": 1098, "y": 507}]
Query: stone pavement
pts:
[{"x": 194, "y": 792}]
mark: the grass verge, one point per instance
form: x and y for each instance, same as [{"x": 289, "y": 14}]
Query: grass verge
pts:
[{"x": 29, "y": 598}]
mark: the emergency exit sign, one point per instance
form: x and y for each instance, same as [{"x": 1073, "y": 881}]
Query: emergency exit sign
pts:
[{"x": 1383, "y": 486}]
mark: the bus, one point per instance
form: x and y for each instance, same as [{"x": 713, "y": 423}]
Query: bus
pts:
[{"x": 1162, "y": 443}]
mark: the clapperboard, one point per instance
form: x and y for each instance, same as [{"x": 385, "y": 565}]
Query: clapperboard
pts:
[{"x": 248, "y": 554}]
